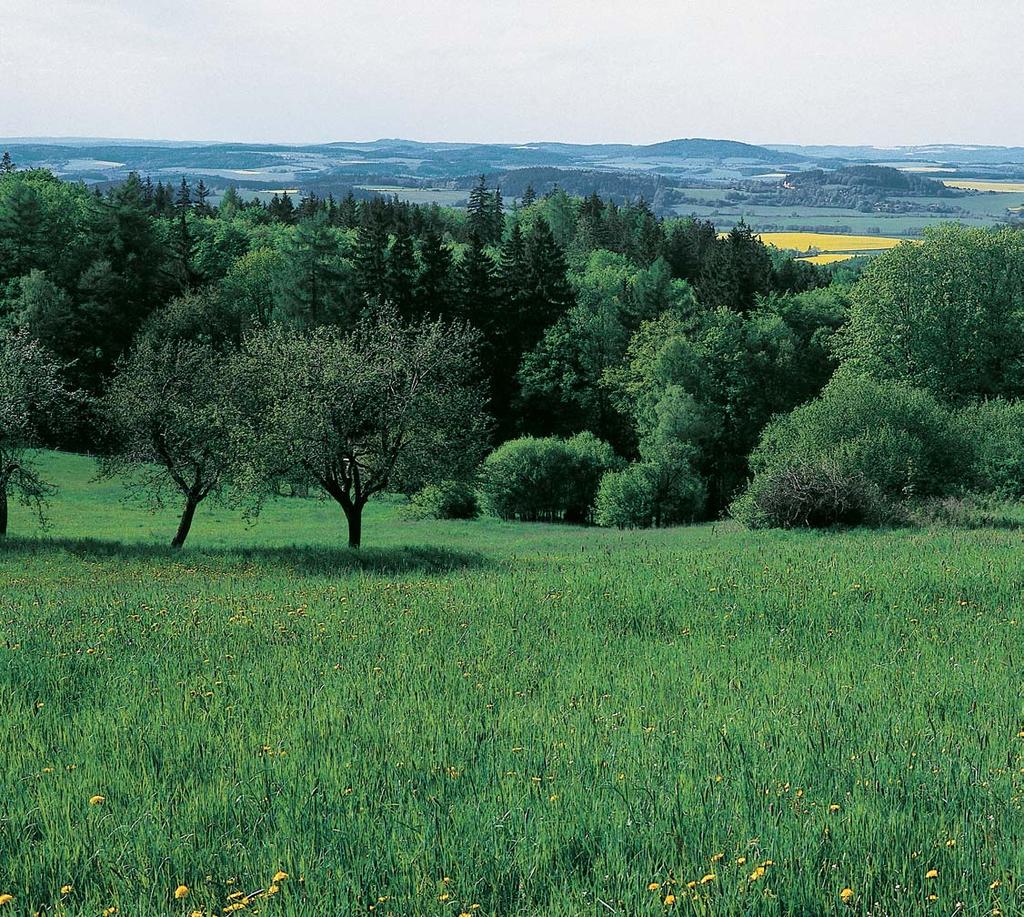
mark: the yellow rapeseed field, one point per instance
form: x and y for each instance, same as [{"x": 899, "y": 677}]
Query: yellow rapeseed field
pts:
[
  {"x": 1002, "y": 186},
  {"x": 830, "y": 258},
  {"x": 828, "y": 242}
]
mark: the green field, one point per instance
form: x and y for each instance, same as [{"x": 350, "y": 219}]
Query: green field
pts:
[{"x": 491, "y": 718}]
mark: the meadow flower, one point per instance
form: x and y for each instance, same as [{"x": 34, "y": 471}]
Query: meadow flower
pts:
[
  {"x": 654, "y": 886},
  {"x": 834, "y": 807},
  {"x": 66, "y": 889},
  {"x": 669, "y": 900},
  {"x": 273, "y": 890},
  {"x": 717, "y": 857},
  {"x": 97, "y": 800},
  {"x": 6, "y": 899},
  {"x": 846, "y": 895},
  {"x": 932, "y": 874},
  {"x": 710, "y": 877},
  {"x": 279, "y": 876},
  {"x": 181, "y": 892},
  {"x": 757, "y": 873}
]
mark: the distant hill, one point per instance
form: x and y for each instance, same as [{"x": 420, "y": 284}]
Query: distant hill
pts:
[{"x": 870, "y": 179}]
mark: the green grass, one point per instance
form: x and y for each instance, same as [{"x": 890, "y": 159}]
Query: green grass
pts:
[{"x": 551, "y": 718}]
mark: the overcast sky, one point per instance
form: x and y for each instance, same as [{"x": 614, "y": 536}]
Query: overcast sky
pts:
[{"x": 884, "y": 72}]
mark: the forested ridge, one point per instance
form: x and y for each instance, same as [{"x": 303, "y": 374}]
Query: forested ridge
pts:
[{"x": 644, "y": 355}]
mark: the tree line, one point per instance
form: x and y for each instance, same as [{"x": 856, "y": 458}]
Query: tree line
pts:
[{"x": 356, "y": 346}]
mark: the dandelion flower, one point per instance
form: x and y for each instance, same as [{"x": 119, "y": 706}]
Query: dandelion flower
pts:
[
  {"x": 6, "y": 899},
  {"x": 932, "y": 874},
  {"x": 654, "y": 886},
  {"x": 669, "y": 900},
  {"x": 757, "y": 873},
  {"x": 279, "y": 876},
  {"x": 834, "y": 807},
  {"x": 97, "y": 800},
  {"x": 181, "y": 892},
  {"x": 66, "y": 889},
  {"x": 995, "y": 885},
  {"x": 717, "y": 857},
  {"x": 846, "y": 895},
  {"x": 710, "y": 877},
  {"x": 273, "y": 890}
]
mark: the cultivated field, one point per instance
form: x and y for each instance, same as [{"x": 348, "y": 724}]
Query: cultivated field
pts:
[
  {"x": 813, "y": 242},
  {"x": 1004, "y": 187},
  {"x": 487, "y": 718}
]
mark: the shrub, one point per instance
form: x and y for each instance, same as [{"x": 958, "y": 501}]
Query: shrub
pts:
[
  {"x": 814, "y": 495},
  {"x": 545, "y": 479},
  {"x": 995, "y": 432},
  {"x": 852, "y": 456},
  {"x": 447, "y": 500},
  {"x": 653, "y": 493}
]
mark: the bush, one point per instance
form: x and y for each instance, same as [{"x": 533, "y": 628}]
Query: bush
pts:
[
  {"x": 995, "y": 432},
  {"x": 852, "y": 456},
  {"x": 447, "y": 500},
  {"x": 813, "y": 495},
  {"x": 646, "y": 494},
  {"x": 546, "y": 479}
]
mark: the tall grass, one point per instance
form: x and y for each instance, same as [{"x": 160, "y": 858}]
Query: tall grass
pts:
[{"x": 505, "y": 719}]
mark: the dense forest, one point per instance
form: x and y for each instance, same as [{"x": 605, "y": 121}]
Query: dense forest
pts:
[{"x": 611, "y": 365}]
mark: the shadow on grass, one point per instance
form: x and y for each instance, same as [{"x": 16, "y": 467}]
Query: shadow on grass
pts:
[{"x": 312, "y": 560}]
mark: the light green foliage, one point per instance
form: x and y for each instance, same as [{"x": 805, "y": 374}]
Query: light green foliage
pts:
[
  {"x": 170, "y": 411},
  {"x": 545, "y": 479},
  {"x": 388, "y": 405},
  {"x": 547, "y": 716},
  {"x": 947, "y": 315},
  {"x": 33, "y": 401},
  {"x": 444, "y": 500},
  {"x": 661, "y": 489}
]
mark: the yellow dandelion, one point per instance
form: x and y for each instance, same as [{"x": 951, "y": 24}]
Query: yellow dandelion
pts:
[
  {"x": 951, "y": 842},
  {"x": 757, "y": 873},
  {"x": 279, "y": 876},
  {"x": 181, "y": 892},
  {"x": 995, "y": 885},
  {"x": 933, "y": 897},
  {"x": 669, "y": 900},
  {"x": 654, "y": 886},
  {"x": 273, "y": 890},
  {"x": 932, "y": 874},
  {"x": 740, "y": 861},
  {"x": 66, "y": 889},
  {"x": 6, "y": 899},
  {"x": 443, "y": 897},
  {"x": 97, "y": 800},
  {"x": 717, "y": 857},
  {"x": 834, "y": 807},
  {"x": 846, "y": 895},
  {"x": 710, "y": 877}
]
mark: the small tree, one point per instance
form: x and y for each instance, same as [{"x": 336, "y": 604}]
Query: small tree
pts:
[
  {"x": 386, "y": 406},
  {"x": 32, "y": 399},
  {"x": 168, "y": 413}
]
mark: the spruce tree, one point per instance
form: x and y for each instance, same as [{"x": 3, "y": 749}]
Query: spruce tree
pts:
[
  {"x": 6, "y": 164},
  {"x": 434, "y": 293},
  {"x": 401, "y": 274}
]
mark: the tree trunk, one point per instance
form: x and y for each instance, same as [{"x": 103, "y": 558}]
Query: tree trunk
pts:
[
  {"x": 354, "y": 515},
  {"x": 3, "y": 509},
  {"x": 186, "y": 522}
]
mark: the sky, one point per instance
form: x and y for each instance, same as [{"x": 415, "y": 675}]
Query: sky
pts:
[{"x": 881, "y": 72}]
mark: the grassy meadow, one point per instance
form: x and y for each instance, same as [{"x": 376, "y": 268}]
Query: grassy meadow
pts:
[{"x": 496, "y": 719}]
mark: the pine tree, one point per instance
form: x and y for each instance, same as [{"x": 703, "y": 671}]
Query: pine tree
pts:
[
  {"x": 312, "y": 293},
  {"x": 370, "y": 260},
  {"x": 230, "y": 204},
  {"x": 282, "y": 210},
  {"x": 401, "y": 274},
  {"x": 549, "y": 294},
  {"x": 183, "y": 202},
  {"x": 434, "y": 294},
  {"x": 529, "y": 196},
  {"x": 6, "y": 164},
  {"x": 479, "y": 209},
  {"x": 497, "y": 217},
  {"x": 475, "y": 286},
  {"x": 202, "y": 205}
]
